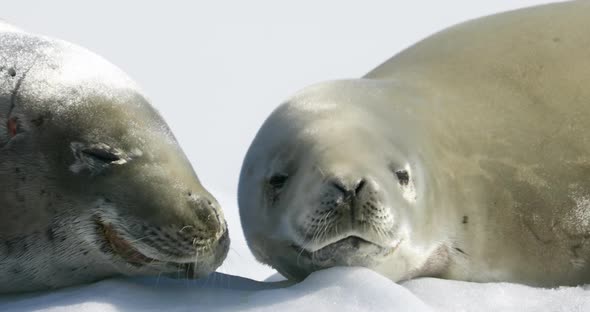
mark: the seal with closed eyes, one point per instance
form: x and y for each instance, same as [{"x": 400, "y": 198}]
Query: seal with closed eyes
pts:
[
  {"x": 92, "y": 181},
  {"x": 466, "y": 156}
]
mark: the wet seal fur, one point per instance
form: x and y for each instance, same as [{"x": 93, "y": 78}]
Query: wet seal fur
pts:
[
  {"x": 466, "y": 156},
  {"x": 92, "y": 181}
]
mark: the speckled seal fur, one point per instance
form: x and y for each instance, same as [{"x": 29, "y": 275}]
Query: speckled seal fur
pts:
[
  {"x": 466, "y": 156},
  {"x": 92, "y": 182}
]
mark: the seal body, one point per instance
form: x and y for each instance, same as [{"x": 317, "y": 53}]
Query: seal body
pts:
[
  {"x": 465, "y": 157},
  {"x": 92, "y": 181}
]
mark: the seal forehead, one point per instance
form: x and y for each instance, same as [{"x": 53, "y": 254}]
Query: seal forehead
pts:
[
  {"x": 57, "y": 71},
  {"x": 77, "y": 88}
]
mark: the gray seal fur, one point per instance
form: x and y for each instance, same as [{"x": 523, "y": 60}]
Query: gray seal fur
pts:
[
  {"x": 466, "y": 156},
  {"x": 92, "y": 181}
]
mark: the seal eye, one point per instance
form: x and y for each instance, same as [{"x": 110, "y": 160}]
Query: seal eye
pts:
[
  {"x": 101, "y": 154},
  {"x": 403, "y": 177},
  {"x": 278, "y": 181},
  {"x": 97, "y": 157}
]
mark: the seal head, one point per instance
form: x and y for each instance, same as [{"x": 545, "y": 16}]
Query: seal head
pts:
[
  {"x": 326, "y": 185},
  {"x": 92, "y": 181}
]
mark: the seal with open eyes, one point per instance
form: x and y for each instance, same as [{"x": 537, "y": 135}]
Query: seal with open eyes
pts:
[
  {"x": 92, "y": 181},
  {"x": 466, "y": 156}
]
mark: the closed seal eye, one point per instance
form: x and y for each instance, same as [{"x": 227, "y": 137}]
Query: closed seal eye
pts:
[
  {"x": 97, "y": 157},
  {"x": 102, "y": 155}
]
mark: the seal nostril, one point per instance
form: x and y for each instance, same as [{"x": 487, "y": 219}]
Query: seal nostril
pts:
[
  {"x": 339, "y": 186},
  {"x": 359, "y": 187}
]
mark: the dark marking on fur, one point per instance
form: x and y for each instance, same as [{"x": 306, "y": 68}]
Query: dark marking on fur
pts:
[
  {"x": 575, "y": 249},
  {"x": 50, "y": 234},
  {"x": 465, "y": 219},
  {"x": 9, "y": 244},
  {"x": 536, "y": 235},
  {"x": 460, "y": 250},
  {"x": 38, "y": 121},
  {"x": 20, "y": 197}
]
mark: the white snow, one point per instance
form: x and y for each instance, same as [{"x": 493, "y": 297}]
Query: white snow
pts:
[
  {"x": 215, "y": 70},
  {"x": 335, "y": 289}
]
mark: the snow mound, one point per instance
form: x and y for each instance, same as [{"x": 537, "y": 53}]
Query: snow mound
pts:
[{"x": 337, "y": 289}]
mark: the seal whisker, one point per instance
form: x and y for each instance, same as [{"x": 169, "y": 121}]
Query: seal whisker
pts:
[
  {"x": 158, "y": 279},
  {"x": 137, "y": 240},
  {"x": 322, "y": 226},
  {"x": 185, "y": 227},
  {"x": 320, "y": 229}
]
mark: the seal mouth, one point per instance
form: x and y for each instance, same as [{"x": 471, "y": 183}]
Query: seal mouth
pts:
[
  {"x": 348, "y": 245},
  {"x": 115, "y": 244},
  {"x": 119, "y": 246}
]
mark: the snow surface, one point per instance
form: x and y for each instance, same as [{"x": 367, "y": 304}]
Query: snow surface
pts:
[{"x": 215, "y": 70}]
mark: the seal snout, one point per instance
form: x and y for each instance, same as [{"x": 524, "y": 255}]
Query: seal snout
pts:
[
  {"x": 354, "y": 198},
  {"x": 349, "y": 190},
  {"x": 208, "y": 215},
  {"x": 346, "y": 205}
]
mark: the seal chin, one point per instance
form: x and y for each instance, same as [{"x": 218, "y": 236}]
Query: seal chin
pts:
[{"x": 351, "y": 250}]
